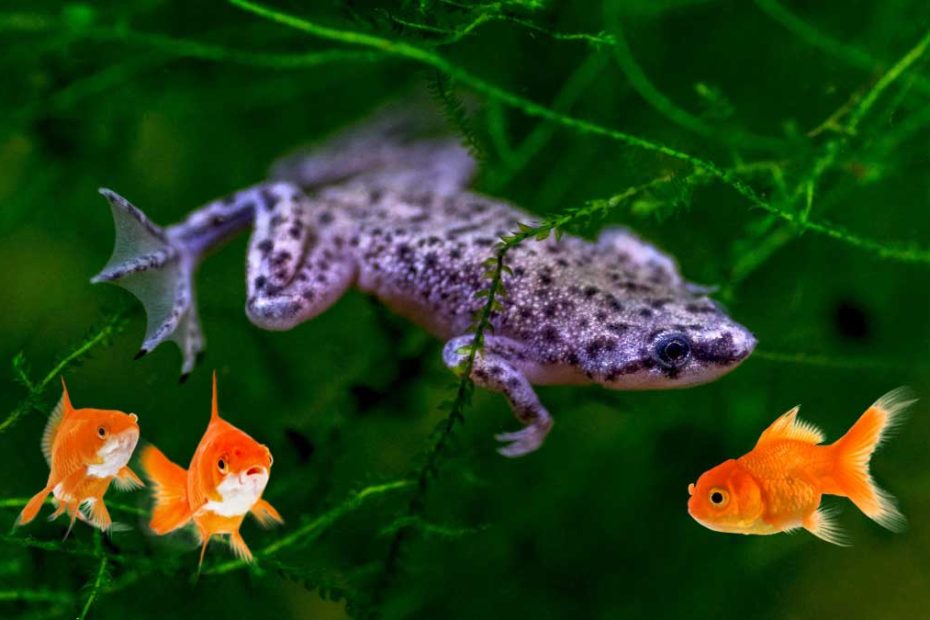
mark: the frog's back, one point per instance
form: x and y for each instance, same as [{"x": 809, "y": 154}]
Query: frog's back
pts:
[{"x": 423, "y": 252}]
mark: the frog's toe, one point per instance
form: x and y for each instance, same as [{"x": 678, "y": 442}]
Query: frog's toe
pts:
[{"x": 523, "y": 441}]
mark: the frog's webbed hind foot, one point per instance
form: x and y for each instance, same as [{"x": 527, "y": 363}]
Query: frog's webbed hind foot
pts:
[
  {"x": 494, "y": 369},
  {"x": 159, "y": 272}
]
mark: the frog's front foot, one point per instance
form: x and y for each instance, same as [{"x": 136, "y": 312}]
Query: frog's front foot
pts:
[
  {"x": 525, "y": 440},
  {"x": 157, "y": 269},
  {"x": 496, "y": 367}
]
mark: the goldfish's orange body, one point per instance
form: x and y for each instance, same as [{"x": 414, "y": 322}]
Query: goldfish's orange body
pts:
[
  {"x": 778, "y": 486},
  {"x": 86, "y": 450},
  {"x": 224, "y": 482}
]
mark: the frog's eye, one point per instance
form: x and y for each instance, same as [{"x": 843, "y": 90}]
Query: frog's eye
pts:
[
  {"x": 672, "y": 350},
  {"x": 718, "y": 497},
  {"x": 101, "y": 432},
  {"x": 221, "y": 465}
]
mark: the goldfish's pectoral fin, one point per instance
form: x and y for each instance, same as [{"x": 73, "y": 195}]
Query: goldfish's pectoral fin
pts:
[
  {"x": 127, "y": 480},
  {"x": 159, "y": 272},
  {"x": 265, "y": 514},
  {"x": 822, "y": 524},
  {"x": 95, "y": 513},
  {"x": 239, "y": 548}
]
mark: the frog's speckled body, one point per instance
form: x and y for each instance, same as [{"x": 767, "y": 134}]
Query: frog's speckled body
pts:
[{"x": 388, "y": 212}]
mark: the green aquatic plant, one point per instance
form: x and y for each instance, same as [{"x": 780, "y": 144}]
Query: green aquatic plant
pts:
[{"x": 788, "y": 206}]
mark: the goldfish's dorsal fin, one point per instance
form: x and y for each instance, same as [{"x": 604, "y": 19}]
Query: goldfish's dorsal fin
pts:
[
  {"x": 214, "y": 409},
  {"x": 788, "y": 426},
  {"x": 54, "y": 421}
]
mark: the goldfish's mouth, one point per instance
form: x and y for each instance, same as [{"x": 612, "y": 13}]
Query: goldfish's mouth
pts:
[{"x": 239, "y": 491}]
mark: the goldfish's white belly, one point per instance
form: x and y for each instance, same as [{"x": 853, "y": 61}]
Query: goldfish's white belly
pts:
[
  {"x": 239, "y": 492},
  {"x": 115, "y": 454}
]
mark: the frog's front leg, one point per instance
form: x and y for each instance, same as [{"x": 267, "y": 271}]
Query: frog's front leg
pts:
[
  {"x": 299, "y": 261},
  {"x": 496, "y": 368}
]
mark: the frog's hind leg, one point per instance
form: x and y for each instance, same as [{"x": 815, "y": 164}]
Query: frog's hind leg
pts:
[
  {"x": 494, "y": 370},
  {"x": 299, "y": 261},
  {"x": 157, "y": 264},
  {"x": 404, "y": 145}
]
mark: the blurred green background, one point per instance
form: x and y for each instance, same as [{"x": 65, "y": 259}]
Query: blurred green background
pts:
[{"x": 172, "y": 104}]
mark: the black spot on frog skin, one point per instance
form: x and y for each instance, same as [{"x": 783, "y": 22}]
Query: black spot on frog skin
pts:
[
  {"x": 618, "y": 328},
  {"x": 645, "y": 313},
  {"x": 404, "y": 253},
  {"x": 701, "y": 308},
  {"x": 326, "y": 218},
  {"x": 590, "y": 291},
  {"x": 720, "y": 351},
  {"x": 269, "y": 199},
  {"x": 613, "y": 303},
  {"x": 265, "y": 246},
  {"x": 550, "y": 334},
  {"x": 598, "y": 346},
  {"x": 280, "y": 258}
]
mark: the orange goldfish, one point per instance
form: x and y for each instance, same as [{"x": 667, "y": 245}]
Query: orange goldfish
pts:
[
  {"x": 777, "y": 487},
  {"x": 86, "y": 450},
  {"x": 224, "y": 482}
]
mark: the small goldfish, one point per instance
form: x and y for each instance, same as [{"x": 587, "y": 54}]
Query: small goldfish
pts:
[
  {"x": 86, "y": 450},
  {"x": 225, "y": 481},
  {"x": 778, "y": 486}
]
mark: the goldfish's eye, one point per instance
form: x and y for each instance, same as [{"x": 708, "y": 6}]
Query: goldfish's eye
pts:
[
  {"x": 718, "y": 497},
  {"x": 101, "y": 432},
  {"x": 222, "y": 465}
]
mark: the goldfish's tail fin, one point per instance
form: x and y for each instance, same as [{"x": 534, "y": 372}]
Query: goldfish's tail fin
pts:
[
  {"x": 158, "y": 270},
  {"x": 172, "y": 510},
  {"x": 33, "y": 507},
  {"x": 854, "y": 451}
]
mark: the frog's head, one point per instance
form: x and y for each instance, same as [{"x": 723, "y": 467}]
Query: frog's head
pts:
[{"x": 666, "y": 345}]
